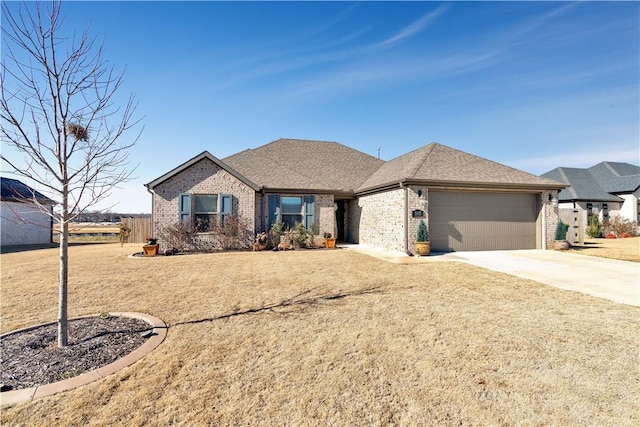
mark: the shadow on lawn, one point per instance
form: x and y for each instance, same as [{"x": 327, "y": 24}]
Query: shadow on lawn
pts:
[{"x": 298, "y": 300}]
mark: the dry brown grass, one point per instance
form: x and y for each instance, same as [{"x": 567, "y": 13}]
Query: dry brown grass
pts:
[
  {"x": 623, "y": 249},
  {"x": 333, "y": 338}
]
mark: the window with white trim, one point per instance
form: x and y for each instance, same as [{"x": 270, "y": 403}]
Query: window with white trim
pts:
[
  {"x": 292, "y": 210},
  {"x": 203, "y": 210}
]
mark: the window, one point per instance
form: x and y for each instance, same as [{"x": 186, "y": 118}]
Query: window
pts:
[
  {"x": 204, "y": 209},
  {"x": 292, "y": 210}
]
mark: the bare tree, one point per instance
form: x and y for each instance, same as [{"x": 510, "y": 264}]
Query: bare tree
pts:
[{"x": 59, "y": 115}]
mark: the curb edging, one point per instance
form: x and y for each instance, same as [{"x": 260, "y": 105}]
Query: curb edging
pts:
[{"x": 24, "y": 395}]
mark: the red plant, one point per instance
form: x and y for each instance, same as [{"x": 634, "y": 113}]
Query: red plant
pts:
[
  {"x": 611, "y": 236},
  {"x": 625, "y": 235}
]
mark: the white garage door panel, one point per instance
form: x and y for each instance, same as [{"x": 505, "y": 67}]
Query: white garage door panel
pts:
[{"x": 465, "y": 221}]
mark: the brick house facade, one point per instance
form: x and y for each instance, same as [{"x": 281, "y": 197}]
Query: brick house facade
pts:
[{"x": 361, "y": 199}]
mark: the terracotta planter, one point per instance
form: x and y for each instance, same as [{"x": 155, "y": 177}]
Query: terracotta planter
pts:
[
  {"x": 423, "y": 248},
  {"x": 330, "y": 242},
  {"x": 561, "y": 245},
  {"x": 150, "y": 250}
]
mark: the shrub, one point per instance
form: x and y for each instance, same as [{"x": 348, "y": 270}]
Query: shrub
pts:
[
  {"x": 594, "y": 229},
  {"x": 300, "y": 236},
  {"x": 276, "y": 231},
  {"x": 179, "y": 235},
  {"x": 423, "y": 233},
  {"x": 123, "y": 233},
  {"x": 618, "y": 225},
  {"x": 561, "y": 231},
  {"x": 611, "y": 236},
  {"x": 231, "y": 234}
]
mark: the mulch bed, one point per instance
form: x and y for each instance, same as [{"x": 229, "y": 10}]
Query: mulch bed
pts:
[{"x": 32, "y": 358}]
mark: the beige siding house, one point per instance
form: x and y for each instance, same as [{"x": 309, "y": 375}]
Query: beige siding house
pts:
[
  {"x": 26, "y": 215},
  {"x": 468, "y": 203}
]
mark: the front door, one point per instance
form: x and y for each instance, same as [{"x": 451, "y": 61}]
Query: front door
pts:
[{"x": 340, "y": 220}]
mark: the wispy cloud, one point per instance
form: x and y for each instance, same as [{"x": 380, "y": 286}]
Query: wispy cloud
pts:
[{"x": 413, "y": 28}]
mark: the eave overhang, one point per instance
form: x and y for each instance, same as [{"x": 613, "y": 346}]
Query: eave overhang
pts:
[{"x": 460, "y": 185}]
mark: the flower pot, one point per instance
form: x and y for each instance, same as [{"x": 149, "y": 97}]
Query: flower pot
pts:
[
  {"x": 330, "y": 242},
  {"x": 561, "y": 245},
  {"x": 423, "y": 248},
  {"x": 150, "y": 250}
]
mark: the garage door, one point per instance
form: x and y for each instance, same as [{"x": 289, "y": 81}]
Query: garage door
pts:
[{"x": 476, "y": 221}]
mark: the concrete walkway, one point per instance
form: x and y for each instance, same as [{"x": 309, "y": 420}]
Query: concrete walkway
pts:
[{"x": 611, "y": 279}]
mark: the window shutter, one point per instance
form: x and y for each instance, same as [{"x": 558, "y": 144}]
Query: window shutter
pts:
[
  {"x": 309, "y": 211},
  {"x": 274, "y": 209},
  {"x": 185, "y": 207},
  {"x": 226, "y": 205}
]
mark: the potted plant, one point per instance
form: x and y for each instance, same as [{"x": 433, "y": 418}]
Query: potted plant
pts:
[
  {"x": 423, "y": 247},
  {"x": 560, "y": 241},
  {"x": 329, "y": 241},
  {"x": 152, "y": 246}
]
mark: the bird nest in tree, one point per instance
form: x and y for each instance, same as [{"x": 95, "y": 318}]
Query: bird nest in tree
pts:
[{"x": 79, "y": 132}]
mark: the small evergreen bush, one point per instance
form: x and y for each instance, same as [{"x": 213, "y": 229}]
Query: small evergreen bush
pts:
[
  {"x": 423, "y": 233},
  {"x": 595, "y": 227},
  {"x": 561, "y": 231}
]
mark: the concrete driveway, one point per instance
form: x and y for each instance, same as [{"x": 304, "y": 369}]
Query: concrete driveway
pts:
[
  {"x": 614, "y": 280},
  {"x": 611, "y": 279}
]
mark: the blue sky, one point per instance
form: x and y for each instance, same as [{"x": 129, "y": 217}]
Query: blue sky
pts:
[{"x": 533, "y": 85}]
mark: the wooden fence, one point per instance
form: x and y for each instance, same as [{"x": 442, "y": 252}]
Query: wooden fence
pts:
[{"x": 140, "y": 229}]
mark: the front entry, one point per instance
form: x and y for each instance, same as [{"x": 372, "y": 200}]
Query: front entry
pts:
[{"x": 340, "y": 220}]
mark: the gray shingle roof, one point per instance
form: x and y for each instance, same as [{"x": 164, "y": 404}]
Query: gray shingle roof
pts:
[
  {"x": 617, "y": 177},
  {"x": 437, "y": 163},
  {"x": 305, "y": 165},
  {"x": 17, "y": 191},
  {"x": 582, "y": 186},
  {"x": 599, "y": 183}
]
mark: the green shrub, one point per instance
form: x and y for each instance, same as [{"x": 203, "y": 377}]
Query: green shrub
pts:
[
  {"x": 561, "y": 231},
  {"x": 595, "y": 227},
  {"x": 423, "y": 233},
  {"x": 300, "y": 236}
]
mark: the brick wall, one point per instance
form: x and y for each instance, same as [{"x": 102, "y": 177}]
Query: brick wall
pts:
[
  {"x": 549, "y": 215},
  {"x": 204, "y": 177},
  {"x": 382, "y": 219},
  {"x": 24, "y": 224}
]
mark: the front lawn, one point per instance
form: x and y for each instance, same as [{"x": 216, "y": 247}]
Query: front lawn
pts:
[
  {"x": 623, "y": 249},
  {"x": 333, "y": 338}
]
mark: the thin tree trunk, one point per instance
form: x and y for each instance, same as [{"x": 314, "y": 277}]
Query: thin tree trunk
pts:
[{"x": 64, "y": 275}]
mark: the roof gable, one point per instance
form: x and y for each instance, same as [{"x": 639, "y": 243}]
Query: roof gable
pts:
[
  {"x": 582, "y": 186},
  {"x": 17, "y": 191},
  {"x": 599, "y": 183},
  {"x": 616, "y": 177},
  {"x": 193, "y": 161},
  {"x": 436, "y": 163},
  {"x": 305, "y": 165}
]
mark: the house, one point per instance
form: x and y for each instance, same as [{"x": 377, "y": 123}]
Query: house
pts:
[
  {"x": 605, "y": 189},
  {"x": 468, "y": 203},
  {"x": 26, "y": 214}
]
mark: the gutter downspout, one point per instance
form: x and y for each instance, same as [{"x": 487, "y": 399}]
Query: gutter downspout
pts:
[
  {"x": 406, "y": 218},
  {"x": 152, "y": 213}
]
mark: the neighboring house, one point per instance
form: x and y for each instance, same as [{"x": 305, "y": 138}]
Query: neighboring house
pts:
[
  {"x": 608, "y": 188},
  {"x": 23, "y": 219},
  {"x": 468, "y": 203}
]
